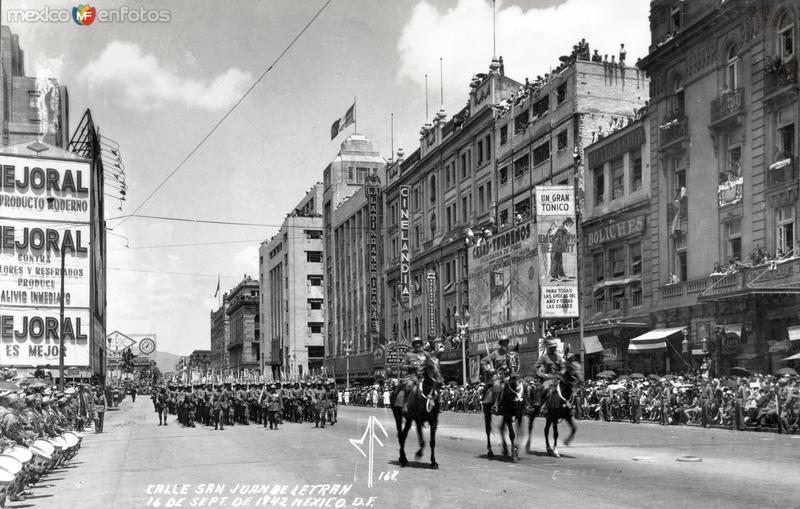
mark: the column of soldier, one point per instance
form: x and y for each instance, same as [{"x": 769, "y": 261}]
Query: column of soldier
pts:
[
  {"x": 221, "y": 405},
  {"x": 40, "y": 430}
]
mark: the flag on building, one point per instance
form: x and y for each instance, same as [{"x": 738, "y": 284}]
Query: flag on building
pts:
[
  {"x": 217, "y": 292},
  {"x": 339, "y": 124}
]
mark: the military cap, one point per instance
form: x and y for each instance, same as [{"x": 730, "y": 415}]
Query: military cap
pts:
[
  {"x": 503, "y": 339},
  {"x": 416, "y": 340}
]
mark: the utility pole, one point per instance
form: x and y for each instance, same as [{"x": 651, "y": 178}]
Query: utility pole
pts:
[{"x": 61, "y": 326}]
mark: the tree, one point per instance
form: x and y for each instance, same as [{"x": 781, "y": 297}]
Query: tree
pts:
[{"x": 127, "y": 361}]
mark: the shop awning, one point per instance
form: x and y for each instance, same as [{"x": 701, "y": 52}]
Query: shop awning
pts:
[
  {"x": 794, "y": 333},
  {"x": 591, "y": 344},
  {"x": 795, "y": 357},
  {"x": 653, "y": 341}
]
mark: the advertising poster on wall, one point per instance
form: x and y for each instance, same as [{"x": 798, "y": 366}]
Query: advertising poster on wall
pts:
[
  {"x": 558, "y": 261},
  {"x": 503, "y": 288},
  {"x": 30, "y": 337}
]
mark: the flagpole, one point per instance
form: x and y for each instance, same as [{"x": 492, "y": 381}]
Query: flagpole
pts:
[{"x": 355, "y": 114}]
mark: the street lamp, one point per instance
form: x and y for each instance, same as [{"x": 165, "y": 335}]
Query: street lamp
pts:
[
  {"x": 348, "y": 347},
  {"x": 463, "y": 325}
]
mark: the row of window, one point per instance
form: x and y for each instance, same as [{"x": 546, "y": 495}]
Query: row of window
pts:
[
  {"x": 617, "y": 175},
  {"x": 617, "y": 262}
]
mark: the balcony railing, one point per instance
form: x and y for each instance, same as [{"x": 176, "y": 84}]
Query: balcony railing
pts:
[
  {"x": 783, "y": 171},
  {"x": 685, "y": 288},
  {"x": 672, "y": 130},
  {"x": 779, "y": 75},
  {"x": 727, "y": 104}
]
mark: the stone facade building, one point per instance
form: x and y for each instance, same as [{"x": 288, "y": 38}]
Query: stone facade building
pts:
[{"x": 244, "y": 347}]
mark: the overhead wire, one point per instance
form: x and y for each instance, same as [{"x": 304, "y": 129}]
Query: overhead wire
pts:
[{"x": 228, "y": 113}]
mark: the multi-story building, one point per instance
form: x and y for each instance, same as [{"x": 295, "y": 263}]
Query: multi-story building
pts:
[
  {"x": 292, "y": 297},
  {"x": 32, "y": 107},
  {"x": 220, "y": 337},
  {"x": 350, "y": 180},
  {"x": 200, "y": 360},
  {"x": 441, "y": 188},
  {"x": 244, "y": 347},
  {"x": 615, "y": 248},
  {"x": 540, "y": 140},
  {"x": 724, "y": 185}
]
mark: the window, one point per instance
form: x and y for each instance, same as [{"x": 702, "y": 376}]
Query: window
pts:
[
  {"x": 33, "y": 100},
  {"x": 617, "y": 296},
  {"x": 362, "y": 174},
  {"x": 598, "y": 265},
  {"x": 503, "y": 175},
  {"x": 561, "y": 140},
  {"x": 418, "y": 236},
  {"x": 617, "y": 178},
  {"x": 503, "y": 135},
  {"x": 521, "y": 166},
  {"x": 433, "y": 188},
  {"x": 313, "y": 234},
  {"x": 480, "y": 152},
  {"x": 433, "y": 223},
  {"x": 635, "y": 250},
  {"x": 449, "y": 218},
  {"x": 464, "y": 165},
  {"x": 314, "y": 256},
  {"x": 786, "y": 140},
  {"x": 784, "y": 222},
  {"x": 416, "y": 198},
  {"x": 313, "y": 280},
  {"x": 488, "y": 194},
  {"x": 314, "y": 303},
  {"x": 541, "y": 153},
  {"x": 732, "y": 70},
  {"x": 599, "y": 300},
  {"x": 616, "y": 258},
  {"x": 636, "y": 170},
  {"x": 447, "y": 182},
  {"x": 636, "y": 294},
  {"x": 785, "y": 40},
  {"x": 465, "y": 209},
  {"x": 676, "y": 18},
  {"x": 521, "y": 122},
  {"x": 734, "y": 234},
  {"x": 599, "y": 185},
  {"x": 561, "y": 93},
  {"x": 683, "y": 268},
  {"x": 678, "y": 100},
  {"x": 679, "y": 179},
  {"x": 522, "y": 209},
  {"x": 503, "y": 217},
  {"x": 540, "y": 107},
  {"x": 350, "y": 173},
  {"x": 315, "y": 327},
  {"x": 734, "y": 163},
  {"x": 481, "y": 200}
]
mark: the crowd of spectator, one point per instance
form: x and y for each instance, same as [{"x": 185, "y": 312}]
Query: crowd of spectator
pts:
[{"x": 754, "y": 402}]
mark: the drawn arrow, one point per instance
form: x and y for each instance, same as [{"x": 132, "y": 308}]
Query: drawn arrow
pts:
[{"x": 370, "y": 437}]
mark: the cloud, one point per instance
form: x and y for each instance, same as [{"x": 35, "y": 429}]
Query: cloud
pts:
[
  {"x": 146, "y": 83},
  {"x": 530, "y": 40}
]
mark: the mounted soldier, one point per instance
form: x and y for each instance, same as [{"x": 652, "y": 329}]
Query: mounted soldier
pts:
[
  {"x": 412, "y": 363},
  {"x": 497, "y": 367},
  {"x": 549, "y": 368}
]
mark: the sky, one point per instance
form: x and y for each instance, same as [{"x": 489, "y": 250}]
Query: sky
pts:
[{"x": 159, "y": 88}]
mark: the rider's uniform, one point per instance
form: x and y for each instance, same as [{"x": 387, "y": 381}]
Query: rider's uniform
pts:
[
  {"x": 497, "y": 366},
  {"x": 548, "y": 366}
]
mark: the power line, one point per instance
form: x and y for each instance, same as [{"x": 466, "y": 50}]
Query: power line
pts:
[
  {"x": 190, "y": 244},
  {"x": 228, "y": 113},
  {"x": 119, "y": 269},
  {"x": 189, "y": 220}
]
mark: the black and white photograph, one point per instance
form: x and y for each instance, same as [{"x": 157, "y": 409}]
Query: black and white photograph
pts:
[{"x": 399, "y": 254}]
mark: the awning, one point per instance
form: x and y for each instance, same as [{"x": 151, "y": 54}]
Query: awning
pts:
[
  {"x": 795, "y": 357},
  {"x": 652, "y": 341},
  {"x": 591, "y": 344},
  {"x": 794, "y": 333}
]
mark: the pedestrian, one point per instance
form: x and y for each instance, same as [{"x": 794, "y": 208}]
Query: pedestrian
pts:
[
  {"x": 100, "y": 405},
  {"x": 133, "y": 393},
  {"x": 160, "y": 402}
]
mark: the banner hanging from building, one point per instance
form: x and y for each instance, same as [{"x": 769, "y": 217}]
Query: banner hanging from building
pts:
[
  {"x": 558, "y": 260},
  {"x": 503, "y": 288}
]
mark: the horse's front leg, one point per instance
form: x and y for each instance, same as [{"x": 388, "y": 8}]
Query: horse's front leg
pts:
[
  {"x": 487, "y": 419},
  {"x": 547, "y": 422},
  {"x": 434, "y": 422},
  {"x": 402, "y": 438},
  {"x": 573, "y": 429},
  {"x": 555, "y": 439},
  {"x": 512, "y": 437},
  {"x": 418, "y": 454}
]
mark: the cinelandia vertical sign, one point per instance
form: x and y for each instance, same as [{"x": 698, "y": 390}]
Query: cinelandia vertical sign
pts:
[{"x": 44, "y": 210}]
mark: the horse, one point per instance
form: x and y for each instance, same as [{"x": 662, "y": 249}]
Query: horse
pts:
[
  {"x": 533, "y": 410},
  {"x": 511, "y": 406},
  {"x": 422, "y": 405},
  {"x": 559, "y": 406}
]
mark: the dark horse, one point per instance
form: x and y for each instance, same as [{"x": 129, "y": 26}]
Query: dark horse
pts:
[
  {"x": 511, "y": 406},
  {"x": 559, "y": 405},
  {"x": 533, "y": 410},
  {"x": 422, "y": 406}
]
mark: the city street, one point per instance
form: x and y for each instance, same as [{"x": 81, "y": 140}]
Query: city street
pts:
[{"x": 136, "y": 463}]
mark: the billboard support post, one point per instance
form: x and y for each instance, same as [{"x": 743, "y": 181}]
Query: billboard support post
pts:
[{"x": 61, "y": 326}]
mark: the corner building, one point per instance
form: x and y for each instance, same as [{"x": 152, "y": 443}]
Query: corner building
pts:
[
  {"x": 723, "y": 141},
  {"x": 292, "y": 297},
  {"x": 244, "y": 347}
]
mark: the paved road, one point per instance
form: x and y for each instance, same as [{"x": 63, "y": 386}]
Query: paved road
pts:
[{"x": 609, "y": 465}]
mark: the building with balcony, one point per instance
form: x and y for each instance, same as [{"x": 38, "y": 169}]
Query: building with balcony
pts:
[
  {"x": 615, "y": 245},
  {"x": 244, "y": 347},
  {"x": 724, "y": 190},
  {"x": 220, "y": 337},
  {"x": 200, "y": 361},
  {"x": 352, "y": 223},
  {"x": 292, "y": 302}
]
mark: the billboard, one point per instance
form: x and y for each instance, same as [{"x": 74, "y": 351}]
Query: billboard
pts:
[
  {"x": 141, "y": 345},
  {"x": 45, "y": 212},
  {"x": 29, "y": 336},
  {"x": 503, "y": 288},
  {"x": 26, "y": 184},
  {"x": 558, "y": 258}
]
